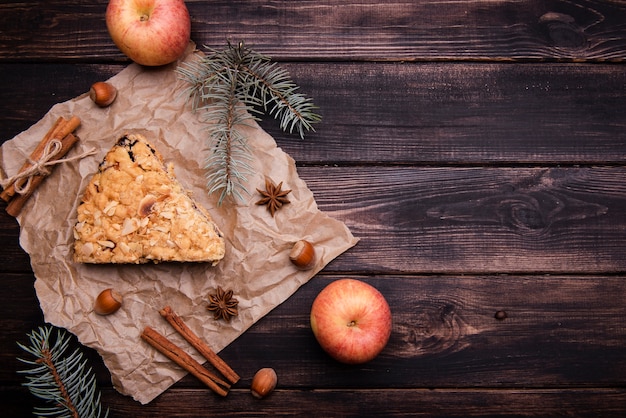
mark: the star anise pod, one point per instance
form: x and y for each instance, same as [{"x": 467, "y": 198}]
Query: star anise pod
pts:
[
  {"x": 223, "y": 304},
  {"x": 273, "y": 196}
]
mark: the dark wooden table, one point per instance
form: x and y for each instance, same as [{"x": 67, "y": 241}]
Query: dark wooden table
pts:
[{"x": 477, "y": 148}]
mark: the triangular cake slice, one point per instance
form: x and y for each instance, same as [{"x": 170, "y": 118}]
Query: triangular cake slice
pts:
[{"x": 134, "y": 210}]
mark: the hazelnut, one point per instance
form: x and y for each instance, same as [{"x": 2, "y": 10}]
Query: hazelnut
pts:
[
  {"x": 303, "y": 255},
  {"x": 263, "y": 382},
  {"x": 107, "y": 302},
  {"x": 102, "y": 93},
  {"x": 145, "y": 205}
]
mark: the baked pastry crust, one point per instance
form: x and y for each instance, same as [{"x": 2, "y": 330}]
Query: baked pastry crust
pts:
[{"x": 134, "y": 210}]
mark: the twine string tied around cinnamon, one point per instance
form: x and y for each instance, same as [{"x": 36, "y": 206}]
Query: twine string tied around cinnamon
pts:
[{"x": 42, "y": 167}]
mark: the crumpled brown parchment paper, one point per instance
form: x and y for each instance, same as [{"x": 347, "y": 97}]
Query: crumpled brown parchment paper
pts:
[{"x": 256, "y": 266}]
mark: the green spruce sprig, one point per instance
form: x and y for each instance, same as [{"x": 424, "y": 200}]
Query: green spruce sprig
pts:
[
  {"x": 232, "y": 87},
  {"x": 65, "y": 382}
]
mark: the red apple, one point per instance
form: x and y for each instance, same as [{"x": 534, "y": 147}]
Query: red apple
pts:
[
  {"x": 351, "y": 320},
  {"x": 150, "y": 32}
]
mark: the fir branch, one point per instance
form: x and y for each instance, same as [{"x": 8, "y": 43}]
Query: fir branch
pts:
[
  {"x": 279, "y": 96},
  {"x": 232, "y": 87},
  {"x": 230, "y": 157},
  {"x": 65, "y": 382}
]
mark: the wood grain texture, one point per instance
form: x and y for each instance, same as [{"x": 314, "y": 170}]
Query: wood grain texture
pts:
[
  {"x": 401, "y": 403},
  {"x": 477, "y": 149},
  {"x": 432, "y": 403},
  {"x": 341, "y": 30},
  {"x": 413, "y": 113},
  {"x": 477, "y": 219},
  {"x": 472, "y": 220},
  {"x": 560, "y": 332},
  {"x": 463, "y": 114}
]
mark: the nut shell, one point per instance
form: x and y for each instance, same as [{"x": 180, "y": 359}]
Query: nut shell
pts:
[
  {"x": 264, "y": 382},
  {"x": 107, "y": 302},
  {"x": 102, "y": 93},
  {"x": 302, "y": 255}
]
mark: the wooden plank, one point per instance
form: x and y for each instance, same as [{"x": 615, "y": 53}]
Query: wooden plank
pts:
[
  {"x": 340, "y": 30},
  {"x": 463, "y": 220},
  {"x": 420, "y": 113},
  {"x": 35, "y": 88},
  {"x": 480, "y": 220},
  {"x": 383, "y": 403},
  {"x": 284, "y": 402},
  {"x": 559, "y": 331},
  {"x": 444, "y": 113},
  {"x": 425, "y": 30}
]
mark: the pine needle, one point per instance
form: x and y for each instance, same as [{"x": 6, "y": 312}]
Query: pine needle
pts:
[
  {"x": 64, "y": 382},
  {"x": 231, "y": 88}
]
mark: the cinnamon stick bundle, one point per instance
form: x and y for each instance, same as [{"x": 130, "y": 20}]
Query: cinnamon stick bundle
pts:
[
  {"x": 60, "y": 131},
  {"x": 17, "y": 202}
]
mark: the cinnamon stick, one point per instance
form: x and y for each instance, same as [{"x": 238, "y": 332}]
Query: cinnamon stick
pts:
[
  {"x": 17, "y": 202},
  {"x": 184, "y": 360},
  {"x": 59, "y": 130},
  {"x": 177, "y": 323},
  {"x": 9, "y": 191}
]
